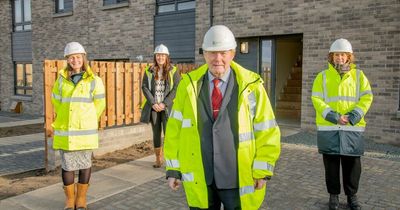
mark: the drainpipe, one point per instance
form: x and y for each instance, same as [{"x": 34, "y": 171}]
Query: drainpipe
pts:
[{"x": 211, "y": 12}]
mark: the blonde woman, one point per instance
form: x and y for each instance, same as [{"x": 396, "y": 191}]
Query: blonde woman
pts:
[{"x": 79, "y": 100}]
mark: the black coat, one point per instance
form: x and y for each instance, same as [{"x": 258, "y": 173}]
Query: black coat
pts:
[{"x": 149, "y": 93}]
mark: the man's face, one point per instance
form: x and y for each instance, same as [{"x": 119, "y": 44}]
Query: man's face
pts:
[{"x": 219, "y": 61}]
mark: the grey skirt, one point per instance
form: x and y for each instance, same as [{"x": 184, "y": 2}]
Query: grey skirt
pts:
[{"x": 76, "y": 160}]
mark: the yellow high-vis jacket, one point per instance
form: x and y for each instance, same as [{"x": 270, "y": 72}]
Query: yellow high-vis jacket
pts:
[
  {"x": 258, "y": 133},
  {"x": 78, "y": 109},
  {"x": 333, "y": 96}
]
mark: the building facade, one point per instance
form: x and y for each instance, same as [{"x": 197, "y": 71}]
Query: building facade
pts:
[{"x": 285, "y": 41}]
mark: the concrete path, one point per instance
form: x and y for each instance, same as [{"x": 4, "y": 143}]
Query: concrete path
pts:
[{"x": 298, "y": 184}]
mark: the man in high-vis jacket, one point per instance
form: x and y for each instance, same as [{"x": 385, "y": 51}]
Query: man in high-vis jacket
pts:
[
  {"x": 222, "y": 140},
  {"x": 341, "y": 96}
]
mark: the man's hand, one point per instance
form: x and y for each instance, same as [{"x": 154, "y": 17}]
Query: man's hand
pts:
[
  {"x": 343, "y": 120},
  {"x": 174, "y": 183},
  {"x": 259, "y": 183}
]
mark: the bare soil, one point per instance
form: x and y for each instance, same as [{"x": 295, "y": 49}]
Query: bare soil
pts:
[
  {"x": 21, "y": 130},
  {"x": 16, "y": 184}
]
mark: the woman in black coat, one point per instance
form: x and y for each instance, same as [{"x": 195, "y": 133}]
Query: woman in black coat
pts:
[{"x": 159, "y": 87}]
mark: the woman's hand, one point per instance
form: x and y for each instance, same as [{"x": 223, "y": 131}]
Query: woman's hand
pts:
[
  {"x": 343, "y": 120},
  {"x": 156, "y": 107},
  {"x": 161, "y": 106}
]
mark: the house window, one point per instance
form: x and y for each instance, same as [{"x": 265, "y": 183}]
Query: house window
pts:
[
  {"x": 110, "y": 2},
  {"x": 164, "y": 6},
  {"x": 63, "y": 6},
  {"x": 22, "y": 15},
  {"x": 23, "y": 79}
]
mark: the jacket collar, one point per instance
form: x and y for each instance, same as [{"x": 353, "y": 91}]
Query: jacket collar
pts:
[
  {"x": 244, "y": 77},
  {"x": 88, "y": 73}
]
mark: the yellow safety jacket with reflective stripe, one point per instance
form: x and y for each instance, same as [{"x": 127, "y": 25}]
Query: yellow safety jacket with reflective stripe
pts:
[
  {"x": 150, "y": 77},
  {"x": 78, "y": 108},
  {"x": 330, "y": 92},
  {"x": 259, "y": 138}
]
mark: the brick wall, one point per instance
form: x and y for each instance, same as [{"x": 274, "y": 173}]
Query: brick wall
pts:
[
  {"x": 6, "y": 65},
  {"x": 371, "y": 26},
  {"x": 119, "y": 33}
]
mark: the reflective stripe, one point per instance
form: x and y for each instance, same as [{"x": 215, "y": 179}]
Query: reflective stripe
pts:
[
  {"x": 172, "y": 163},
  {"x": 340, "y": 128},
  {"x": 262, "y": 165},
  {"x": 187, "y": 177},
  {"x": 92, "y": 86},
  {"x": 324, "y": 86},
  {"x": 341, "y": 98},
  {"x": 358, "y": 85},
  {"x": 252, "y": 104},
  {"x": 246, "y": 136},
  {"x": 325, "y": 112},
  {"x": 186, "y": 123},
  {"x": 366, "y": 92},
  {"x": 148, "y": 77},
  {"x": 265, "y": 125},
  {"x": 60, "y": 81},
  {"x": 318, "y": 94},
  {"x": 246, "y": 190},
  {"x": 99, "y": 96},
  {"x": 177, "y": 115},
  {"x": 77, "y": 99},
  {"x": 55, "y": 96},
  {"x": 360, "y": 111},
  {"x": 75, "y": 133}
]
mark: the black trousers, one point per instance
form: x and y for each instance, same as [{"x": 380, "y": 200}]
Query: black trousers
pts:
[
  {"x": 351, "y": 172},
  {"x": 230, "y": 198},
  {"x": 158, "y": 122}
]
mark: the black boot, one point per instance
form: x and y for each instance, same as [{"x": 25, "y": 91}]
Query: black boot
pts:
[
  {"x": 352, "y": 201},
  {"x": 333, "y": 202}
]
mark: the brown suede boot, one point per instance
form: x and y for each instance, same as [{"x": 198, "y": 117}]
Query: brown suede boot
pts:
[
  {"x": 159, "y": 157},
  {"x": 69, "y": 191},
  {"x": 81, "y": 191}
]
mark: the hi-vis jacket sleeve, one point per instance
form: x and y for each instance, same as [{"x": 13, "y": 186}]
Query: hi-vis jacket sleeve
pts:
[
  {"x": 56, "y": 96},
  {"x": 99, "y": 97},
  {"x": 366, "y": 96},
  {"x": 267, "y": 136},
  {"x": 172, "y": 136},
  {"x": 317, "y": 97}
]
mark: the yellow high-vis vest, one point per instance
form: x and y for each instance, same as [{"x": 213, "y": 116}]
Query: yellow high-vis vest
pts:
[
  {"x": 78, "y": 108},
  {"x": 258, "y": 133},
  {"x": 331, "y": 92}
]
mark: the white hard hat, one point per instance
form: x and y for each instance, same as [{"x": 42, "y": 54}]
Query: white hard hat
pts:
[
  {"x": 219, "y": 38},
  {"x": 162, "y": 49},
  {"x": 73, "y": 48},
  {"x": 341, "y": 45}
]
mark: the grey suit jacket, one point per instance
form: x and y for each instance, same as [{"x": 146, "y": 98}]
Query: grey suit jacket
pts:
[{"x": 219, "y": 137}]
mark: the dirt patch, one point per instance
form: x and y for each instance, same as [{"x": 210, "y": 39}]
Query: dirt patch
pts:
[
  {"x": 16, "y": 184},
  {"x": 21, "y": 130}
]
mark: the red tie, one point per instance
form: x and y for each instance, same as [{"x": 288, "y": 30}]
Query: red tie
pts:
[{"x": 216, "y": 98}]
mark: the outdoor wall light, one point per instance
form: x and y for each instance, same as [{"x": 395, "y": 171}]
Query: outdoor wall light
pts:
[{"x": 244, "y": 47}]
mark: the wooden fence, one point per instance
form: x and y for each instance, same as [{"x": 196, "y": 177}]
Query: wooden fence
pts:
[{"x": 122, "y": 82}]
